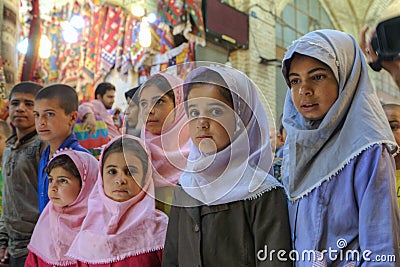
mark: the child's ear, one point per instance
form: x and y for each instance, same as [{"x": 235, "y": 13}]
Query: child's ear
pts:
[{"x": 73, "y": 117}]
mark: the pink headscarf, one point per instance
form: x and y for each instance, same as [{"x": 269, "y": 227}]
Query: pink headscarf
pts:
[
  {"x": 57, "y": 227},
  {"x": 170, "y": 149},
  {"x": 113, "y": 231}
]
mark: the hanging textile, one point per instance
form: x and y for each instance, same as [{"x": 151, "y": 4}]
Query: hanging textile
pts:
[
  {"x": 194, "y": 29},
  {"x": 110, "y": 39},
  {"x": 126, "y": 62},
  {"x": 120, "y": 44},
  {"x": 56, "y": 41},
  {"x": 71, "y": 56}
]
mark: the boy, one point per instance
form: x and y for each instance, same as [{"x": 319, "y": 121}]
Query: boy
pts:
[
  {"x": 392, "y": 112},
  {"x": 20, "y": 165},
  {"x": 56, "y": 111}
]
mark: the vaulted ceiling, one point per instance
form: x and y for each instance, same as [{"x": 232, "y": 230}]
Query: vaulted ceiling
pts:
[{"x": 351, "y": 15}]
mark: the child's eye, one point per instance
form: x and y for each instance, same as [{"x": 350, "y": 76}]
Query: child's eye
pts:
[
  {"x": 394, "y": 127},
  {"x": 14, "y": 103},
  {"x": 50, "y": 114},
  {"x": 160, "y": 101},
  {"x": 216, "y": 111},
  {"x": 193, "y": 113},
  {"x": 63, "y": 181},
  {"x": 131, "y": 171},
  {"x": 294, "y": 81},
  {"x": 112, "y": 171},
  {"x": 319, "y": 77},
  {"x": 143, "y": 104},
  {"x": 35, "y": 115},
  {"x": 29, "y": 104},
  {"x": 50, "y": 180}
]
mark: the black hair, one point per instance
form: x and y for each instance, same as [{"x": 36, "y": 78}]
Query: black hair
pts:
[
  {"x": 102, "y": 89},
  {"x": 122, "y": 145},
  {"x": 132, "y": 94},
  {"x": 65, "y": 94},
  {"x": 65, "y": 162},
  {"x": 25, "y": 88},
  {"x": 210, "y": 77},
  {"x": 162, "y": 83}
]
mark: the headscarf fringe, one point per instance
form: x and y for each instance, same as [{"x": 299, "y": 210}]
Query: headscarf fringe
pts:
[
  {"x": 338, "y": 169},
  {"x": 118, "y": 257},
  {"x": 259, "y": 194}
]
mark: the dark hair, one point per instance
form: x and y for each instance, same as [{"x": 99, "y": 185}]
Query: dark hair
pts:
[
  {"x": 162, "y": 83},
  {"x": 5, "y": 128},
  {"x": 210, "y": 77},
  {"x": 25, "y": 88},
  {"x": 102, "y": 89},
  {"x": 65, "y": 162},
  {"x": 132, "y": 94},
  {"x": 122, "y": 145},
  {"x": 65, "y": 94},
  {"x": 281, "y": 124}
]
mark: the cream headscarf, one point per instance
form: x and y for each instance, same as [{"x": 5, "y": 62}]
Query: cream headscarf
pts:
[
  {"x": 246, "y": 163},
  {"x": 315, "y": 151}
]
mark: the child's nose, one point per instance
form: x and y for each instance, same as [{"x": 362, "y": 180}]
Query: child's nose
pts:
[
  {"x": 305, "y": 89},
  {"x": 203, "y": 122},
  {"x": 120, "y": 179}
]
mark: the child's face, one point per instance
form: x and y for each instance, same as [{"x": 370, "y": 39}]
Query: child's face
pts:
[
  {"x": 52, "y": 124},
  {"x": 122, "y": 176},
  {"x": 211, "y": 118},
  {"x": 131, "y": 113},
  {"x": 156, "y": 108},
  {"x": 313, "y": 87},
  {"x": 393, "y": 116},
  {"x": 64, "y": 187},
  {"x": 21, "y": 111}
]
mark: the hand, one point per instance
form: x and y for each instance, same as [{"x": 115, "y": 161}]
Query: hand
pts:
[
  {"x": 4, "y": 257},
  {"x": 89, "y": 123}
]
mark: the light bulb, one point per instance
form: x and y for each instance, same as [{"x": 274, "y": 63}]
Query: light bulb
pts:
[
  {"x": 151, "y": 18},
  {"x": 144, "y": 34},
  {"x": 70, "y": 34},
  {"x": 23, "y": 46},
  {"x": 77, "y": 22},
  {"x": 138, "y": 11},
  {"x": 45, "y": 47}
]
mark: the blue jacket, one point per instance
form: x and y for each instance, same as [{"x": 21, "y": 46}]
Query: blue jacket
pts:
[
  {"x": 43, "y": 182},
  {"x": 350, "y": 214}
]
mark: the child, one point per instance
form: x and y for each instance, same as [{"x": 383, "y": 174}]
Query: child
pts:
[
  {"x": 165, "y": 133},
  {"x": 56, "y": 111},
  {"x": 72, "y": 175},
  {"x": 20, "y": 167},
  {"x": 122, "y": 227},
  {"x": 229, "y": 206},
  {"x": 338, "y": 166},
  {"x": 5, "y": 132},
  {"x": 131, "y": 116},
  {"x": 392, "y": 112}
]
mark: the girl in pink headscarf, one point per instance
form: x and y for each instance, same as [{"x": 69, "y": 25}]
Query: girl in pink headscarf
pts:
[
  {"x": 165, "y": 133},
  {"x": 72, "y": 175},
  {"x": 122, "y": 227}
]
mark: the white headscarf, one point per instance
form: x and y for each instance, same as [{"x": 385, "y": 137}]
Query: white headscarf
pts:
[
  {"x": 245, "y": 164},
  {"x": 315, "y": 151}
]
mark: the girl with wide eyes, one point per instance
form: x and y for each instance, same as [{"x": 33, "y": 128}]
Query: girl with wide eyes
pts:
[
  {"x": 165, "y": 132},
  {"x": 338, "y": 167},
  {"x": 72, "y": 175},
  {"x": 122, "y": 227},
  {"x": 228, "y": 205}
]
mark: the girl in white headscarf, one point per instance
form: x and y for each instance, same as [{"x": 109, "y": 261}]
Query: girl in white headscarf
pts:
[
  {"x": 229, "y": 210},
  {"x": 338, "y": 165}
]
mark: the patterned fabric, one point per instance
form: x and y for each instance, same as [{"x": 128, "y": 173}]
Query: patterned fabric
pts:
[
  {"x": 110, "y": 38},
  {"x": 92, "y": 142}
]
